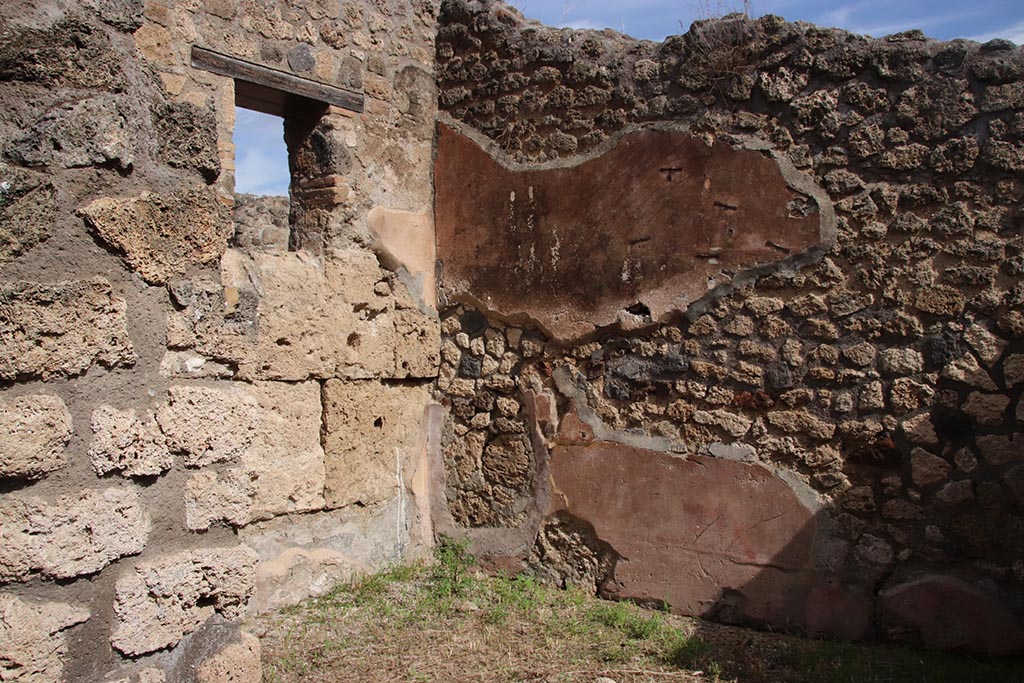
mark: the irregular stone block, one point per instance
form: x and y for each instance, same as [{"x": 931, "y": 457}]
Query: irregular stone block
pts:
[
  {"x": 278, "y": 470},
  {"x": 673, "y": 218},
  {"x": 124, "y": 443},
  {"x": 160, "y": 601},
  {"x": 61, "y": 329},
  {"x": 999, "y": 450},
  {"x": 798, "y": 422},
  {"x": 950, "y": 613},
  {"x": 91, "y": 132},
  {"x": 217, "y": 652},
  {"x": 34, "y": 430},
  {"x": 26, "y": 211},
  {"x": 986, "y": 409},
  {"x": 928, "y": 468},
  {"x": 33, "y": 642},
  {"x": 209, "y": 425},
  {"x": 371, "y": 431},
  {"x": 281, "y": 317},
  {"x": 163, "y": 235},
  {"x": 71, "y": 536}
]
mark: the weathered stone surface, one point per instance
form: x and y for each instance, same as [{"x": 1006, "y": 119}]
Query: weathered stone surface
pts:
[
  {"x": 61, "y": 329},
  {"x": 163, "y": 235},
  {"x": 1014, "y": 479},
  {"x": 670, "y": 214},
  {"x": 34, "y": 430},
  {"x": 371, "y": 430},
  {"x": 209, "y": 425},
  {"x": 26, "y": 210},
  {"x": 280, "y": 316},
  {"x": 71, "y": 536},
  {"x": 33, "y": 640},
  {"x": 927, "y": 468},
  {"x": 160, "y": 601},
  {"x": 1013, "y": 368},
  {"x": 949, "y": 613},
  {"x": 188, "y": 138},
  {"x": 122, "y": 442},
  {"x": 91, "y": 132},
  {"x": 277, "y": 467},
  {"x": 739, "y": 530}
]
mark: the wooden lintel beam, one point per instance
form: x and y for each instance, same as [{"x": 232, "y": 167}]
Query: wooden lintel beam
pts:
[{"x": 275, "y": 79}]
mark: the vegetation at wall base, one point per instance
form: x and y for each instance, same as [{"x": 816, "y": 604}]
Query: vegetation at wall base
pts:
[{"x": 445, "y": 621}]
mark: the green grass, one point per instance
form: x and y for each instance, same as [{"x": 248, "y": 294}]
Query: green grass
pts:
[{"x": 443, "y": 621}]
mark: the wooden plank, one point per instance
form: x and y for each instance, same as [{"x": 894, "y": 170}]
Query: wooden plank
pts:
[{"x": 275, "y": 79}]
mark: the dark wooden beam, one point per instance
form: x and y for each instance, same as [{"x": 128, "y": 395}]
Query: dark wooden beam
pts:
[{"x": 266, "y": 81}]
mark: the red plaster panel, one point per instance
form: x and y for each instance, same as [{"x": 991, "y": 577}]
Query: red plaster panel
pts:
[
  {"x": 652, "y": 220},
  {"x": 708, "y": 536}
]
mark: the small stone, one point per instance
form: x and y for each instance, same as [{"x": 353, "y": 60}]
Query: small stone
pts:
[
  {"x": 965, "y": 460},
  {"x": 462, "y": 340},
  {"x": 871, "y": 396},
  {"x": 873, "y": 550},
  {"x": 986, "y": 409},
  {"x": 34, "y": 431},
  {"x": 860, "y": 499},
  {"x": 861, "y": 355},
  {"x": 902, "y": 509},
  {"x": 988, "y": 346},
  {"x": 956, "y": 492},
  {"x": 1013, "y": 370},
  {"x": 1014, "y": 480},
  {"x": 940, "y": 300},
  {"x": 920, "y": 430},
  {"x": 901, "y": 361},
  {"x": 968, "y": 371},
  {"x": 762, "y": 306},
  {"x": 999, "y": 450},
  {"x": 928, "y": 468},
  {"x": 799, "y": 422}
]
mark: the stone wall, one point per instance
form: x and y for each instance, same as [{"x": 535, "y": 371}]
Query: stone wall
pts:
[
  {"x": 197, "y": 424},
  {"x": 825, "y": 438}
]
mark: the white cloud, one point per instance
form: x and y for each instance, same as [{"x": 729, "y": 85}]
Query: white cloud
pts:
[
  {"x": 1014, "y": 33},
  {"x": 261, "y": 157}
]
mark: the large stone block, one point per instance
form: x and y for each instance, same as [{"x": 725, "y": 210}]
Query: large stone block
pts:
[
  {"x": 96, "y": 131},
  {"x": 283, "y": 317},
  {"x": 122, "y": 442},
  {"x": 163, "y": 235},
  {"x": 61, "y": 329},
  {"x": 33, "y": 642},
  {"x": 34, "y": 430},
  {"x": 159, "y": 601},
  {"x": 277, "y": 469},
  {"x": 70, "y": 536},
  {"x": 371, "y": 432},
  {"x": 209, "y": 425}
]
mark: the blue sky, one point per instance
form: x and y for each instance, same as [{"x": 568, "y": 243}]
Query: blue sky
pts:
[
  {"x": 655, "y": 19},
  {"x": 261, "y": 162}
]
